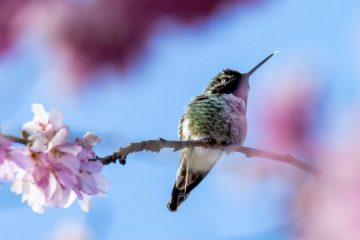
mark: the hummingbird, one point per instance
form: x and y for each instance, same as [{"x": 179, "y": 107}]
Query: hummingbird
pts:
[{"x": 218, "y": 115}]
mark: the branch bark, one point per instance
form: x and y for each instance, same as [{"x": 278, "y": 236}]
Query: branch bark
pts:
[
  {"x": 157, "y": 145},
  {"x": 15, "y": 139}
]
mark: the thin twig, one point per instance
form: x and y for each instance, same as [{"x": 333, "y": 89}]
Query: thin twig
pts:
[
  {"x": 286, "y": 158},
  {"x": 15, "y": 139},
  {"x": 157, "y": 145}
]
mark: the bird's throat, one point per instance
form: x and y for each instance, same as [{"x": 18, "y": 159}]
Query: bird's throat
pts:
[{"x": 242, "y": 91}]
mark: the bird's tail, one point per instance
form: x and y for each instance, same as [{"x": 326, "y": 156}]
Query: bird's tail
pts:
[
  {"x": 180, "y": 193},
  {"x": 195, "y": 164}
]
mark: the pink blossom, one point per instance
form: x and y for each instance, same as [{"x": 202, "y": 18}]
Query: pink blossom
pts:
[
  {"x": 90, "y": 182},
  {"x": 44, "y": 127},
  {"x": 327, "y": 206},
  {"x": 11, "y": 160},
  {"x": 4, "y": 148},
  {"x": 95, "y": 34},
  {"x": 6, "y": 166},
  {"x": 121, "y": 44},
  {"x": 60, "y": 171}
]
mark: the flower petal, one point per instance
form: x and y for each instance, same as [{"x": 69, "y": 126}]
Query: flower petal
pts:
[
  {"x": 41, "y": 177},
  {"x": 102, "y": 184},
  {"x": 55, "y": 119},
  {"x": 39, "y": 142},
  {"x": 91, "y": 166},
  {"x": 66, "y": 178},
  {"x": 85, "y": 203},
  {"x": 21, "y": 158},
  {"x": 40, "y": 115},
  {"x": 68, "y": 162},
  {"x": 89, "y": 140},
  {"x": 60, "y": 138},
  {"x": 70, "y": 148},
  {"x": 87, "y": 183},
  {"x": 31, "y": 127}
]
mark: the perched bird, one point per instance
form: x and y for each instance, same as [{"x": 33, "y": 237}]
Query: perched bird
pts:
[{"x": 219, "y": 114}]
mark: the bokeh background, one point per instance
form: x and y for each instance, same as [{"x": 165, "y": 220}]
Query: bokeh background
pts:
[{"x": 126, "y": 70}]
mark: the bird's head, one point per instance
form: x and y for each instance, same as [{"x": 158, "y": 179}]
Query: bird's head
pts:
[{"x": 231, "y": 81}]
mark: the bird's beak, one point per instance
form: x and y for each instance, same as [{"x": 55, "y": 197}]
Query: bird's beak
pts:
[{"x": 248, "y": 74}]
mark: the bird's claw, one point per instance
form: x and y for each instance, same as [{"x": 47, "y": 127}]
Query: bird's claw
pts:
[{"x": 210, "y": 140}]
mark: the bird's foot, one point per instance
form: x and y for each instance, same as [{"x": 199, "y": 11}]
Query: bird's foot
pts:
[
  {"x": 225, "y": 142},
  {"x": 210, "y": 140}
]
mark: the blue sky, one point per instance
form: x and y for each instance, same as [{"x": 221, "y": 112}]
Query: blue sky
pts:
[{"x": 149, "y": 103}]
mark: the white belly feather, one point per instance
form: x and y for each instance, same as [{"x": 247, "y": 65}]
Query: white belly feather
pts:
[{"x": 200, "y": 159}]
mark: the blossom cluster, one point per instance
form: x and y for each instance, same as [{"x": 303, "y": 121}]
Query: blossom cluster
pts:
[
  {"x": 96, "y": 34},
  {"x": 51, "y": 171}
]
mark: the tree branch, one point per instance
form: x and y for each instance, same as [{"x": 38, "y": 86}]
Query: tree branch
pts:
[
  {"x": 15, "y": 139},
  {"x": 157, "y": 145}
]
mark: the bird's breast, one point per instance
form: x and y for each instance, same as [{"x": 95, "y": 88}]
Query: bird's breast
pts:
[{"x": 235, "y": 112}]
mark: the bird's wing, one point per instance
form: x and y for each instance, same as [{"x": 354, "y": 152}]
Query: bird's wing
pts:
[
  {"x": 195, "y": 163},
  {"x": 195, "y": 104},
  {"x": 203, "y": 114}
]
